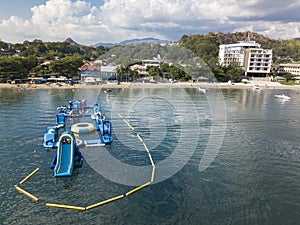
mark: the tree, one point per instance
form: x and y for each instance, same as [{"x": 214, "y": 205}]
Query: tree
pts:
[
  {"x": 121, "y": 71},
  {"x": 134, "y": 74},
  {"x": 219, "y": 73},
  {"x": 67, "y": 66},
  {"x": 178, "y": 74},
  {"x": 12, "y": 67},
  {"x": 233, "y": 72},
  {"x": 29, "y": 63},
  {"x": 288, "y": 76},
  {"x": 154, "y": 71},
  {"x": 3, "y": 45}
]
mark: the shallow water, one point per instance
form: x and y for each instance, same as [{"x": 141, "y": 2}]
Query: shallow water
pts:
[{"x": 254, "y": 178}]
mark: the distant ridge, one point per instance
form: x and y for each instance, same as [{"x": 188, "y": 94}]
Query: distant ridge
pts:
[
  {"x": 71, "y": 42},
  {"x": 134, "y": 41}
]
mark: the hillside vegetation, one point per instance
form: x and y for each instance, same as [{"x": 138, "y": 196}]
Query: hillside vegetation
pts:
[
  {"x": 207, "y": 46},
  {"x": 204, "y": 47}
]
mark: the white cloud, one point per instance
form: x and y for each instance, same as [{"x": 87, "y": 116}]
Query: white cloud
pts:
[
  {"x": 118, "y": 20},
  {"x": 276, "y": 30}
]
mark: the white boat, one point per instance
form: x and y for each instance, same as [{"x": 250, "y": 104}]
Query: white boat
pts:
[
  {"x": 202, "y": 90},
  {"x": 256, "y": 88},
  {"x": 282, "y": 96}
]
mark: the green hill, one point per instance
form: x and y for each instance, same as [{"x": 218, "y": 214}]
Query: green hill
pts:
[{"x": 206, "y": 46}]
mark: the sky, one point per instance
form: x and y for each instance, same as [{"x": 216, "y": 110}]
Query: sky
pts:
[{"x": 92, "y": 21}]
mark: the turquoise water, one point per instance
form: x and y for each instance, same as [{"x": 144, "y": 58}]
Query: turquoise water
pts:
[{"x": 254, "y": 178}]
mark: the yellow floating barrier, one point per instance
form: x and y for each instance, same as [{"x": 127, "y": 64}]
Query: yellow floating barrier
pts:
[
  {"x": 128, "y": 124},
  {"x": 65, "y": 206},
  {"x": 107, "y": 97},
  {"x": 146, "y": 147},
  {"x": 120, "y": 115},
  {"x": 139, "y": 137},
  {"x": 27, "y": 194},
  {"x": 30, "y": 175},
  {"x": 151, "y": 160},
  {"x": 138, "y": 188},
  {"x": 104, "y": 202},
  {"x": 153, "y": 171}
]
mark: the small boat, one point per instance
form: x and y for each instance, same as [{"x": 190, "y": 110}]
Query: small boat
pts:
[
  {"x": 202, "y": 90},
  {"x": 282, "y": 96},
  {"x": 256, "y": 88}
]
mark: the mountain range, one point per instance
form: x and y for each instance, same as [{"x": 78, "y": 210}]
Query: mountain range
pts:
[{"x": 134, "y": 41}]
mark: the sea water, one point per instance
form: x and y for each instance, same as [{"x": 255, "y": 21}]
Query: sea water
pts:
[{"x": 247, "y": 141}]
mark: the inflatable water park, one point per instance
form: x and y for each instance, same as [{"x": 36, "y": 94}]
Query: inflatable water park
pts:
[
  {"x": 66, "y": 136},
  {"x": 78, "y": 126}
]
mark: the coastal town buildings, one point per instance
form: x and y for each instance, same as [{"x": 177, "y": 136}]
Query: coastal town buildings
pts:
[
  {"x": 249, "y": 55},
  {"x": 95, "y": 71},
  {"x": 292, "y": 68},
  {"x": 142, "y": 68}
]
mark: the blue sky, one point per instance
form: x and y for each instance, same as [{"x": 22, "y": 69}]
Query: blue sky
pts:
[{"x": 92, "y": 21}]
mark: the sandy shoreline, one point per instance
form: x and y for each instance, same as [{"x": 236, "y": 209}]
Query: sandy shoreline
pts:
[{"x": 249, "y": 85}]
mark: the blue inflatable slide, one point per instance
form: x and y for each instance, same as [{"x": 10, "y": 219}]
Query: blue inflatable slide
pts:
[{"x": 67, "y": 156}]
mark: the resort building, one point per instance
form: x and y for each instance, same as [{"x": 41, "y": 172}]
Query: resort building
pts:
[
  {"x": 151, "y": 62},
  {"x": 291, "y": 68},
  {"x": 96, "y": 71},
  {"x": 142, "y": 69},
  {"x": 254, "y": 60}
]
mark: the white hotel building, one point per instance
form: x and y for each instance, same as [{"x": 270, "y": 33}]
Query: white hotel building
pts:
[
  {"x": 292, "y": 68},
  {"x": 254, "y": 60}
]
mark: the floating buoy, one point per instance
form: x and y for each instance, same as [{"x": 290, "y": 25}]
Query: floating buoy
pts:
[
  {"x": 27, "y": 194},
  {"x": 146, "y": 148},
  {"x": 30, "y": 175},
  {"x": 65, "y": 206},
  {"x": 128, "y": 124},
  {"x": 151, "y": 160},
  {"x": 139, "y": 137},
  {"x": 104, "y": 202},
  {"x": 138, "y": 188},
  {"x": 153, "y": 172}
]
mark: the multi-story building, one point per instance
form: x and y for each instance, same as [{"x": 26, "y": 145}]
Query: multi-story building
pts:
[
  {"x": 254, "y": 60},
  {"x": 257, "y": 61},
  {"x": 97, "y": 72},
  {"x": 292, "y": 68}
]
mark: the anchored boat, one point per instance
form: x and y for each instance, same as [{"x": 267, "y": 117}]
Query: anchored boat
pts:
[{"x": 282, "y": 96}]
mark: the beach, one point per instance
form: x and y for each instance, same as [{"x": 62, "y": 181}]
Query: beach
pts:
[{"x": 262, "y": 84}]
